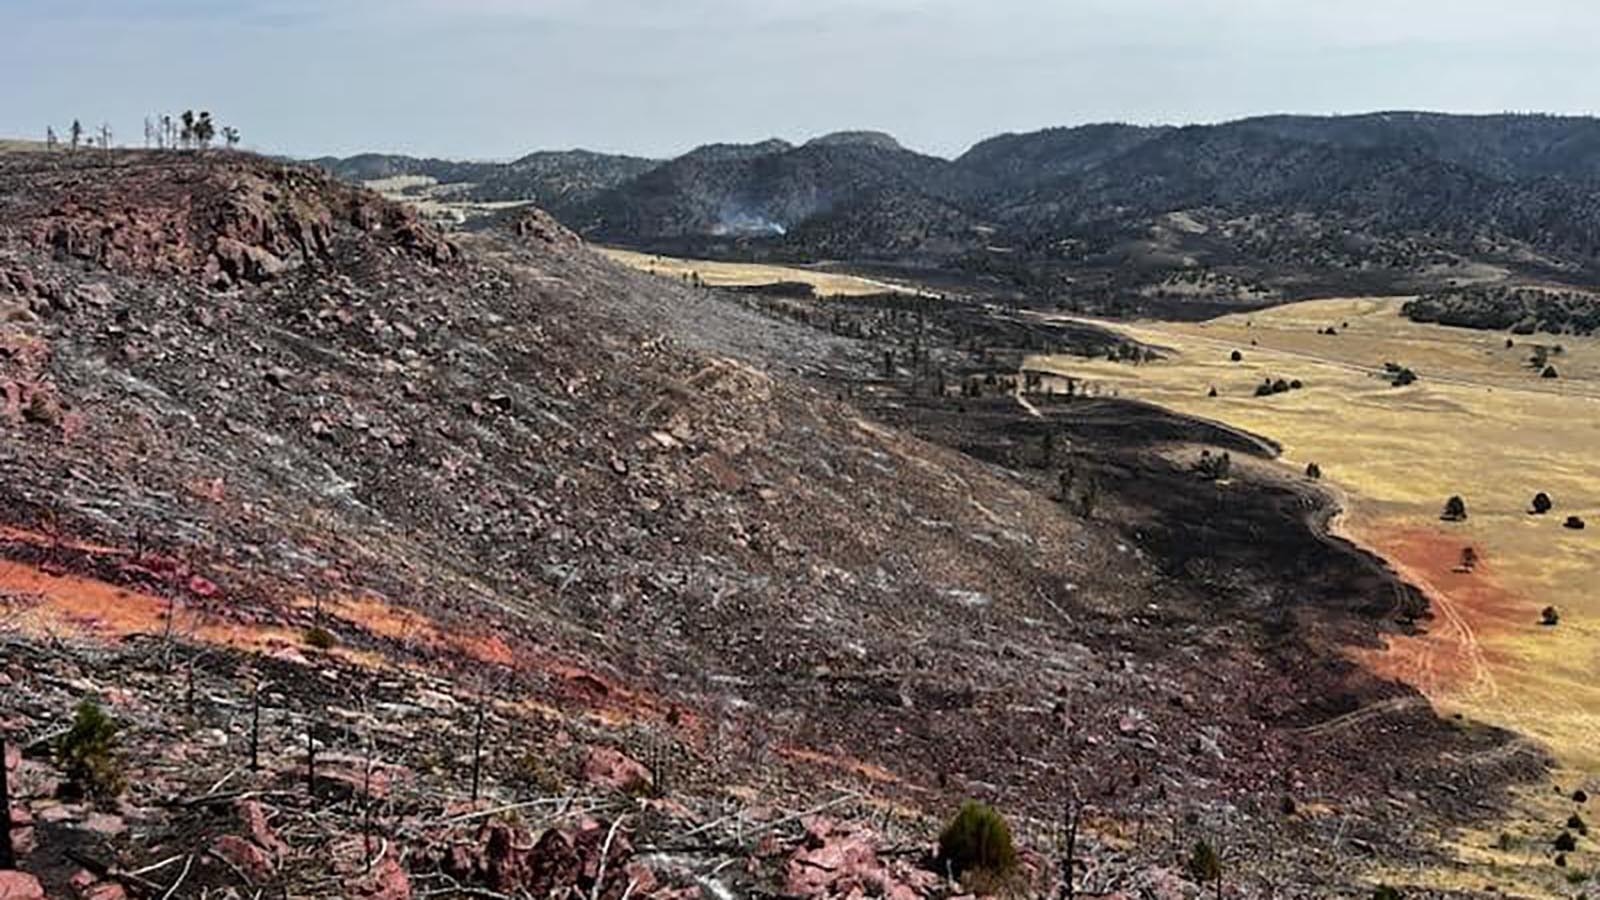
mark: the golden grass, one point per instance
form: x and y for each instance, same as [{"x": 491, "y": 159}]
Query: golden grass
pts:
[
  {"x": 727, "y": 274},
  {"x": 1479, "y": 423}
]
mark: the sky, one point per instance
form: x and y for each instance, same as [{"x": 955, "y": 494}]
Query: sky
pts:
[{"x": 493, "y": 79}]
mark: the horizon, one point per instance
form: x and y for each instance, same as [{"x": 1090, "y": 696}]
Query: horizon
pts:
[
  {"x": 801, "y": 140},
  {"x": 495, "y": 79}
]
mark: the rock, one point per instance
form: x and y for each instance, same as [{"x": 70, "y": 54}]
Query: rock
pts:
[
  {"x": 105, "y": 890},
  {"x": 254, "y": 819},
  {"x": 253, "y": 861},
  {"x": 605, "y": 767},
  {"x": 104, "y": 824},
  {"x": 387, "y": 881},
  {"x": 235, "y": 261},
  {"x": 98, "y": 294},
  {"x": 20, "y": 886}
]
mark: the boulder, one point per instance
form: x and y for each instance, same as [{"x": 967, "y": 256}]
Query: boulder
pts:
[
  {"x": 20, "y": 886},
  {"x": 608, "y": 768},
  {"x": 254, "y": 862}
]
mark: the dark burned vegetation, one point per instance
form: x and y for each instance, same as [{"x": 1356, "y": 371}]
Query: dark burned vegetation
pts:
[{"x": 1521, "y": 310}]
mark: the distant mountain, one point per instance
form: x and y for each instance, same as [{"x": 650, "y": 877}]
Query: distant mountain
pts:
[
  {"x": 827, "y": 191},
  {"x": 1392, "y": 197},
  {"x": 558, "y": 180},
  {"x": 876, "y": 139},
  {"x": 553, "y": 179}
]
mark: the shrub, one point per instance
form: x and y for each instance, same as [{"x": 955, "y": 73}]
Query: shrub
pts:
[
  {"x": 1542, "y": 503},
  {"x": 1204, "y": 863},
  {"x": 1313, "y": 471},
  {"x": 1576, "y": 823},
  {"x": 977, "y": 839},
  {"x": 1237, "y": 356},
  {"x": 1551, "y": 617},
  {"x": 88, "y": 753},
  {"x": 1566, "y": 843},
  {"x": 320, "y": 638},
  {"x": 1574, "y": 523},
  {"x": 1385, "y": 892},
  {"x": 1549, "y": 372},
  {"x": 1455, "y": 510}
]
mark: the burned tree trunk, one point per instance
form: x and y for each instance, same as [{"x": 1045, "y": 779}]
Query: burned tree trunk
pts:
[{"x": 8, "y": 855}]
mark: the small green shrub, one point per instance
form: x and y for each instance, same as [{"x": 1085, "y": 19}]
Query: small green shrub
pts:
[
  {"x": 1385, "y": 892},
  {"x": 88, "y": 753},
  {"x": 977, "y": 840},
  {"x": 320, "y": 638},
  {"x": 1204, "y": 864}
]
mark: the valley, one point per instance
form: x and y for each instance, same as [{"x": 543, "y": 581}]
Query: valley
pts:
[{"x": 1479, "y": 422}]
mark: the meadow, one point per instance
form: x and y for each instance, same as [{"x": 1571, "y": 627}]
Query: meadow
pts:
[{"x": 1480, "y": 422}]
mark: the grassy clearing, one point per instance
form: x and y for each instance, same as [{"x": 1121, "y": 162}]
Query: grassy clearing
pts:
[
  {"x": 1480, "y": 423},
  {"x": 727, "y": 274}
]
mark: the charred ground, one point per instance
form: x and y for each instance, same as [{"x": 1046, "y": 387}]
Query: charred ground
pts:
[{"x": 249, "y": 404}]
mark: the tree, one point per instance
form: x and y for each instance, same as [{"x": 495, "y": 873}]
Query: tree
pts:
[
  {"x": 1237, "y": 356},
  {"x": 1549, "y": 372},
  {"x": 8, "y": 855},
  {"x": 77, "y": 133},
  {"x": 204, "y": 130},
  {"x": 1455, "y": 510},
  {"x": 230, "y": 136},
  {"x": 50, "y": 139},
  {"x": 1313, "y": 471},
  {"x": 167, "y": 132},
  {"x": 105, "y": 135},
  {"x": 1542, "y": 503},
  {"x": 1550, "y": 617},
  {"x": 88, "y": 753},
  {"x": 186, "y": 136}
]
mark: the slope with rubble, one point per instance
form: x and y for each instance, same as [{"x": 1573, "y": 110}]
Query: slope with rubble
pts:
[{"x": 423, "y": 566}]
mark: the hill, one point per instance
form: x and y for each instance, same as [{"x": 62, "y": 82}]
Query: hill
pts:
[
  {"x": 412, "y": 563},
  {"x": 1389, "y": 202}
]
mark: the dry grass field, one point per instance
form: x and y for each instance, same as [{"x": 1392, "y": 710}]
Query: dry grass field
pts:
[
  {"x": 1479, "y": 422},
  {"x": 727, "y": 274}
]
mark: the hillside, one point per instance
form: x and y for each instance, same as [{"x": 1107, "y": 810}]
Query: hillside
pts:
[
  {"x": 1392, "y": 202},
  {"x": 549, "y": 575}
]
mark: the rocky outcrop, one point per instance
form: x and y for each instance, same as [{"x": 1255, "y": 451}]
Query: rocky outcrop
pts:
[{"x": 239, "y": 222}]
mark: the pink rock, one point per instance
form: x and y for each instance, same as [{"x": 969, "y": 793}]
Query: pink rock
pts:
[
  {"x": 106, "y": 890},
  {"x": 20, "y": 886},
  {"x": 608, "y": 768},
  {"x": 105, "y": 824},
  {"x": 253, "y": 861},
  {"x": 254, "y": 819},
  {"x": 387, "y": 881}
]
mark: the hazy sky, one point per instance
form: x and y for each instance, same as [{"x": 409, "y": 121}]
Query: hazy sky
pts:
[{"x": 496, "y": 78}]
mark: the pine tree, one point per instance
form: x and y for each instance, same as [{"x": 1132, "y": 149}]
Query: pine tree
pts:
[{"x": 77, "y": 133}]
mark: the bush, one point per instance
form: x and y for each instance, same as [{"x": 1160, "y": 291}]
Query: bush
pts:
[
  {"x": 1204, "y": 863},
  {"x": 1566, "y": 843},
  {"x": 1549, "y": 372},
  {"x": 88, "y": 753},
  {"x": 1574, "y": 523},
  {"x": 1313, "y": 471},
  {"x": 1385, "y": 892},
  {"x": 1542, "y": 503},
  {"x": 1455, "y": 510},
  {"x": 1551, "y": 617},
  {"x": 1237, "y": 356},
  {"x": 977, "y": 840},
  {"x": 320, "y": 638}
]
